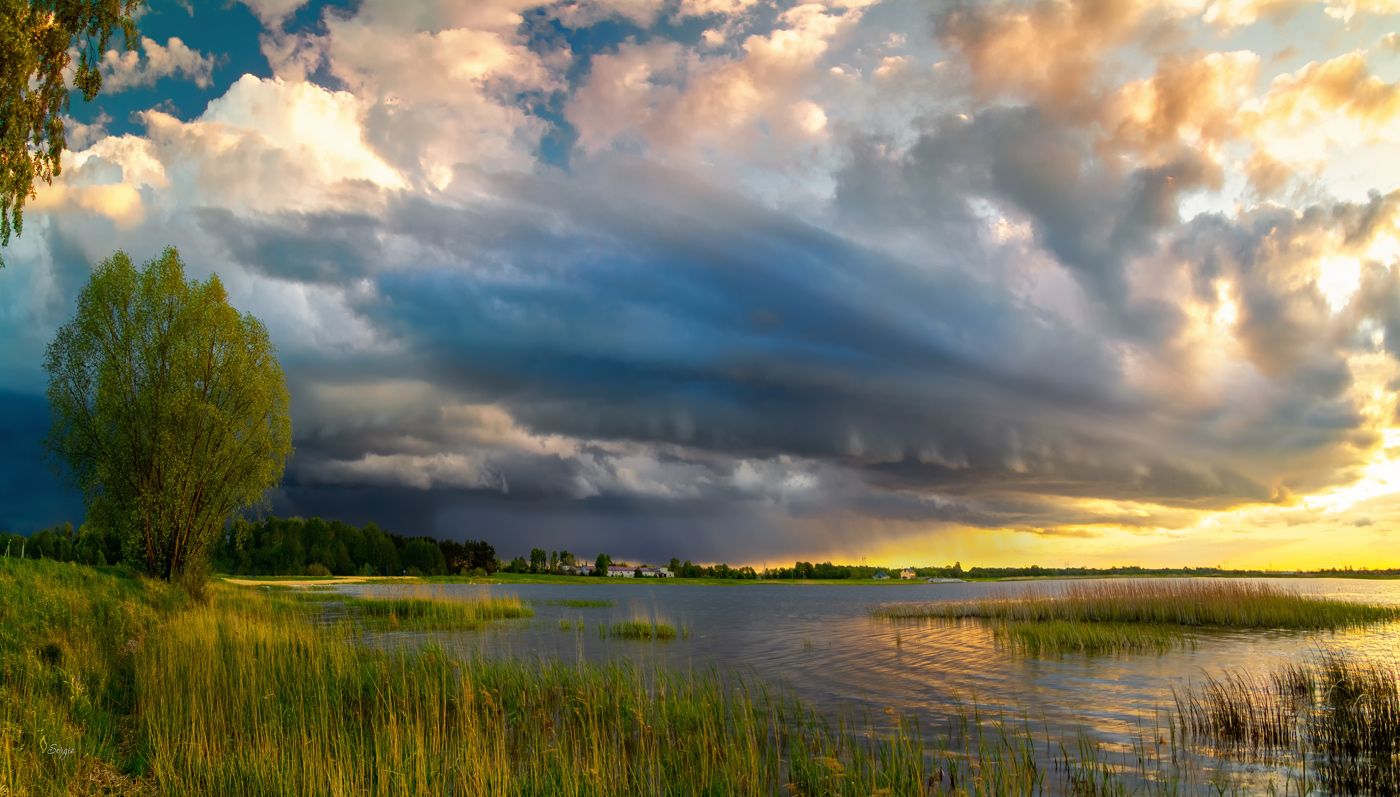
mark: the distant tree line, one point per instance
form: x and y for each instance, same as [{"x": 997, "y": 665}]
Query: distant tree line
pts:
[
  {"x": 541, "y": 561},
  {"x": 687, "y": 570},
  {"x": 89, "y": 545},
  {"x": 313, "y": 546},
  {"x": 827, "y": 570}
]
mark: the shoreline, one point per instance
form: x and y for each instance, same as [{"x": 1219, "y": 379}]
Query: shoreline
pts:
[{"x": 528, "y": 578}]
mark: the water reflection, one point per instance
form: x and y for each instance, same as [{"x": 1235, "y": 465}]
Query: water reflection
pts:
[{"x": 820, "y": 642}]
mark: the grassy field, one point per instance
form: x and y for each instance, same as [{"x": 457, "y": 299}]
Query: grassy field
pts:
[
  {"x": 119, "y": 685},
  {"x": 1137, "y": 615}
]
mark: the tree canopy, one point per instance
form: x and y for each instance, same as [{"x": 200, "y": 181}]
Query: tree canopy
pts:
[
  {"x": 37, "y": 41},
  {"x": 169, "y": 409}
]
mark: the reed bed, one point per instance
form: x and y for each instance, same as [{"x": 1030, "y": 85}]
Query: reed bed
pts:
[
  {"x": 1068, "y": 636},
  {"x": 1108, "y": 616},
  {"x": 1339, "y": 716},
  {"x": 249, "y": 693},
  {"x": 642, "y": 629},
  {"x": 434, "y": 613},
  {"x": 233, "y": 701}
]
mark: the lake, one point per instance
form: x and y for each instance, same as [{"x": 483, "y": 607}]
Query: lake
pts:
[{"x": 820, "y": 642}]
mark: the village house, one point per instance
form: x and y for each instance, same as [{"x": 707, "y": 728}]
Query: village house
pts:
[
  {"x": 621, "y": 571},
  {"x": 908, "y": 573}
]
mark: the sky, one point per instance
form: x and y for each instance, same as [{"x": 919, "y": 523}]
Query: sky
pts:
[{"x": 1088, "y": 283}]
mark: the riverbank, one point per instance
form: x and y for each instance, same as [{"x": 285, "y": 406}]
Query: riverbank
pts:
[
  {"x": 117, "y": 684},
  {"x": 550, "y": 578}
]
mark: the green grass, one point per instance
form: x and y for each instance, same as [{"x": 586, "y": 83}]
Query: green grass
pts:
[
  {"x": 642, "y": 629},
  {"x": 434, "y": 613},
  {"x": 1137, "y": 615},
  {"x": 68, "y": 641},
  {"x": 1068, "y": 636}
]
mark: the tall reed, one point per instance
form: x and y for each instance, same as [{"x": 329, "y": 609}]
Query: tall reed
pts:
[
  {"x": 433, "y": 612},
  {"x": 1339, "y": 716},
  {"x": 1232, "y": 604}
]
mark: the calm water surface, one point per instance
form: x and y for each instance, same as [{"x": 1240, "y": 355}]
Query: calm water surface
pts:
[{"x": 821, "y": 643}]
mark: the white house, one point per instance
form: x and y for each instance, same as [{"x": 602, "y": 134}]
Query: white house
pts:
[
  {"x": 908, "y": 573},
  {"x": 657, "y": 572},
  {"x": 621, "y": 571}
]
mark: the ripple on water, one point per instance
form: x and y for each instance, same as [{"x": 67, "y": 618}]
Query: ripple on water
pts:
[{"x": 821, "y": 643}]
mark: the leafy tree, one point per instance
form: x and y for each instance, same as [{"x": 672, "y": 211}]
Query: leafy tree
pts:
[
  {"x": 483, "y": 556},
  {"x": 538, "y": 558},
  {"x": 37, "y": 38},
  {"x": 600, "y": 567},
  {"x": 169, "y": 409},
  {"x": 456, "y": 555},
  {"x": 422, "y": 556}
]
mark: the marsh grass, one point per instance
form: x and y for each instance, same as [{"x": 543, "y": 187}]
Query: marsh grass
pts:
[
  {"x": 1341, "y": 715},
  {"x": 428, "y": 612},
  {"x": 256, "y": 693},
  {"x": 1069, "y": 636},
  {"x": 1143, "y": 615},
  {"x": 643, "y": 629},
  {"x": 233, "y": 701}
]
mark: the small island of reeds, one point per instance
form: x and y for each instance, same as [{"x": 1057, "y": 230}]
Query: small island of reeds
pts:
[
  {"x": 1136, "y": 615},
  {"x": 432, "y": 613},
  {"x": 642, "y": 629}
]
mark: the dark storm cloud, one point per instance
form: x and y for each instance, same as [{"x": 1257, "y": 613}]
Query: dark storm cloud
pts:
[
  {"x": 625, "y": 528},
  {"x": 32, "y": 494},
  {"x": 643, "y": 308},
  {"x": 1092, "y": 219},
  {"x": 299, "y": 247}
]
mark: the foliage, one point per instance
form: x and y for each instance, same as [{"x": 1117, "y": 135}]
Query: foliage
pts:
[
  {"x": 277, "y": 546},
  {"x": 687, "y": 570},
  {"x": 169, "y": 409},
  {"x": 37, "y": 38}
]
